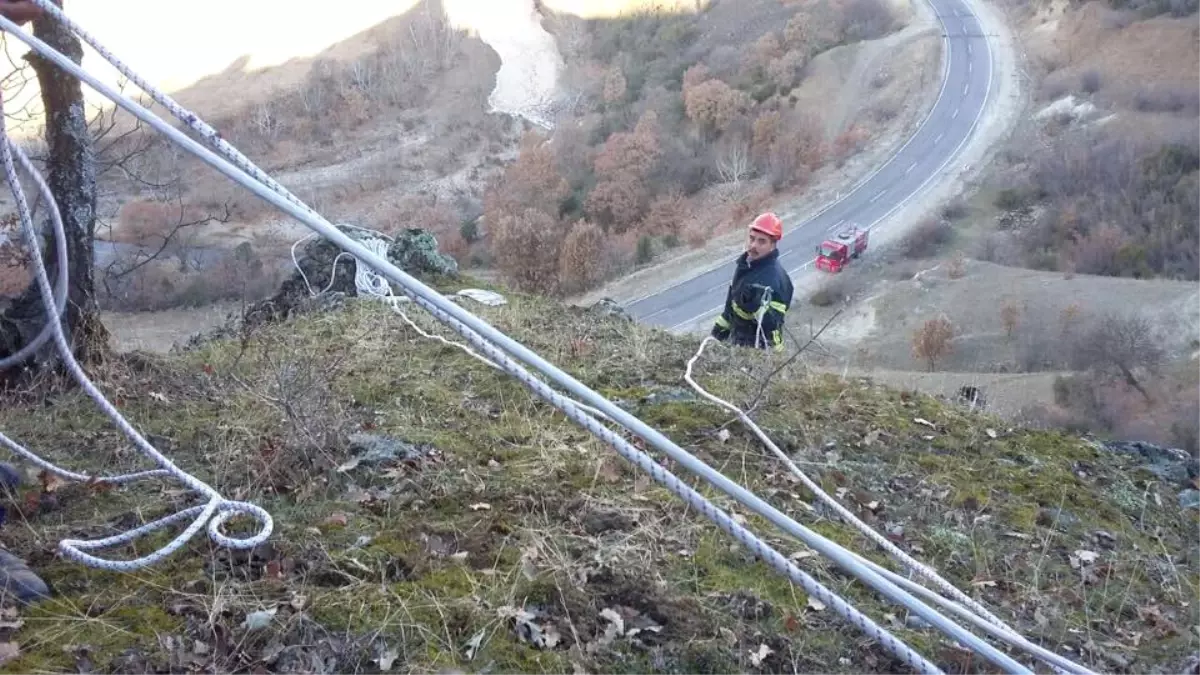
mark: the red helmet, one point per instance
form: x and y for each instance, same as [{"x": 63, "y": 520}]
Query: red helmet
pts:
[{"x": 769, "y": 224}]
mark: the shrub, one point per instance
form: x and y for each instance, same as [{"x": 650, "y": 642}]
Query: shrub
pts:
[
  {"x": 925, "y": 240},
  {"x": 581, "y": 264},
  {"x": 645, "y": 250},
  {"x": 1011, "y": 199},
  {"x": 955, "y": 210},
  {"x": 932, "y": 341},
  {"x": 526, "y": 248}
]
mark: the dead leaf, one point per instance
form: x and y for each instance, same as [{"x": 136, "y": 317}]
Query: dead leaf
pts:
[
  {"x": 614, "y": 619},
  {"x": 791, "y": 624},
  {"x": 608, "y": 471},
  {"x": 981, "y": 583},
  {"x": 473, "y": 644},
  {"x": 339, "y": 519},
  {"x": 8, "y": 652},
  {"x": 50, "y": 482},
  {"x": 991, "y": 433},
  {"x": 723, "y": 435},
  {"x": 1082, "y": 557},
  {"x": 481, "y": 506},
  {"x": 550, "y": 636},
  {"x": 260, "y": 619},
  {"x": 756, "y": 657},
  {"x": 358, "y": 495},
  {"x": 641, "y": 484},
  {"x": 815, "y": 604},
  {"x": 386, "y": 659},
  {"x": 921, "y": 420},
  {"x": 801, "y": 555},
  {"x": 158, "y": 397},
  {"x": 348, "y": 466},
  {"x": 871, "y": 437},
  {"x": 545, "y": 636},
  {"x": 9, "y": 618}
]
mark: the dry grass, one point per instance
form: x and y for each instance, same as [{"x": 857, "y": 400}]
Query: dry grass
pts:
[{"x": 426, "y": 563}]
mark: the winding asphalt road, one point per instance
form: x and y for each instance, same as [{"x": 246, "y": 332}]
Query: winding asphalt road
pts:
[{"x": 966, "y": 87}]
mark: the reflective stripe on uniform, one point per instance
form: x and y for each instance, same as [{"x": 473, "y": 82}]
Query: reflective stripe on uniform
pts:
[
  {"x": 722, "y": 322},
  {"x": 743, "y": 314},
  {"x": 779, "y": 307}
]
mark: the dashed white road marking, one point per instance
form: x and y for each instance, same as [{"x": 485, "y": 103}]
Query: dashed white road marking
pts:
[
  {"x": 938, "y": 139},
  {"x": 966, "y": 88},
  {"x": 877, "y": 196},
  {"x": 910, "y": 168},
  {"x": 955, "y": 115}
]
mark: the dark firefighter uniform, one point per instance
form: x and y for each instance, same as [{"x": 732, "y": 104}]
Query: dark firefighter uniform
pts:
[{"x": 744, "y": 299}]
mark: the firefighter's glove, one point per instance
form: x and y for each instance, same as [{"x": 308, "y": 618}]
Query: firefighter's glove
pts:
[{"x": 752, "y": 297}]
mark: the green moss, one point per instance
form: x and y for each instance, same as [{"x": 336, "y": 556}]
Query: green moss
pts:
[
  {"x": 398, "y": 589},
  {"x": 130, "y": 624},
  {"x": 681, "y": 417},
  {"x": 716, "y": 566}
]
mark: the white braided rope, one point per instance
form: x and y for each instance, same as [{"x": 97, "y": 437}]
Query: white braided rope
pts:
[
  {"x": 986, "y": 618},
  {"x": 575, "y": 411},
  {"x": 292, "y": 206},
  {"x": 214, "y": 513},
  {"x": 757, "y": 546}
]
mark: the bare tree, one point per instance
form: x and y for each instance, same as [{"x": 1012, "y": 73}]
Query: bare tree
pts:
[
  {"x": 733, "y": 159},
  {"x": 932, "y": 340},
  {"x": 1121, "y": 345},
  {"x": 71, "y": 175}
]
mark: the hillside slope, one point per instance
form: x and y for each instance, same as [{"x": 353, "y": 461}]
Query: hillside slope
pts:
[{"x": 421, "y": 499}]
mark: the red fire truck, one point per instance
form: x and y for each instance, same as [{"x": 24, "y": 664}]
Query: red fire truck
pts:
[{"x": 835, "y": 253}]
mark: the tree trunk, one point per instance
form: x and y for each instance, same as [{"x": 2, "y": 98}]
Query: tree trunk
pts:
[{"x": 71, "y": 175}]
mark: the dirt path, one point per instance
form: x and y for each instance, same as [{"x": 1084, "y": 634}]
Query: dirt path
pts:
[{"x": 1004, "y": 394}]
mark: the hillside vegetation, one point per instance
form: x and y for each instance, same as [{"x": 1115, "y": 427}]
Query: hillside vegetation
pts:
[
  {"x": 1105, "y": 178},
  {"x": 667, "y": 106},
  {"x": 431, "y": 515},
  {"x": 669, "y": 125},
  {"x": 1070, "y": 267}
]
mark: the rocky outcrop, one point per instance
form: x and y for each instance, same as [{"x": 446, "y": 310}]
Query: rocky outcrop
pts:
[
  {"x": 327, "y": 270},
  {"x": 1174, "y": 466}
]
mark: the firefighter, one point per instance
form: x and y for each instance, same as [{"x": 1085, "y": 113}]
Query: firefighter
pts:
[{"x": 760, "y": 293}]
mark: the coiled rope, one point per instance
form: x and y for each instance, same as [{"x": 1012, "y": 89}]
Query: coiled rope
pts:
[
  {"x": 242, "y": 171},
  {"x": 214, "y": 513}
]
